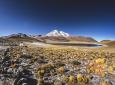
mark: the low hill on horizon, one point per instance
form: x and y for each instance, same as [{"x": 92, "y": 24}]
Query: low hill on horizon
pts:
[{"x": 110, "y": 43}]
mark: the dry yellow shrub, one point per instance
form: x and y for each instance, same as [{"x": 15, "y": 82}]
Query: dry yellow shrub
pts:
[
  {"x": 79, "y": 77},
  {"x": 61, "y": 70}
]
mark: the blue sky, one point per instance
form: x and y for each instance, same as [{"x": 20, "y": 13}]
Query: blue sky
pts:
[{"x": 92, "y": 18}]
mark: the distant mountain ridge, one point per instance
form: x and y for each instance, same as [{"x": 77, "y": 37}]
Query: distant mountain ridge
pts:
[
  {"x": 61, "y": 36},
  {"x": 54, "y": 35},
  {"x": 15, "y": 35},
  {"x": 19, "y": 37}
]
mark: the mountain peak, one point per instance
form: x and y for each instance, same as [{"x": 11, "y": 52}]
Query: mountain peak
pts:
[
  {"x": 57, "y": 33},
  {"x": 17, "y": 35},
  {"x": 55, "y": 30}
]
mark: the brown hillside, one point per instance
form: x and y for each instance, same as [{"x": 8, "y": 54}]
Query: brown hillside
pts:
[
  {"x": 22, "y": 39},
  {"x": 82, "y": 39},
  {"x": 105, "y": 41},
  {"x": 66, "y": 39},
  {"x": 111, "y": 43}
]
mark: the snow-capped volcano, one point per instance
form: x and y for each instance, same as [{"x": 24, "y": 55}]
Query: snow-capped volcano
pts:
[{"x": 57, "y": 33}]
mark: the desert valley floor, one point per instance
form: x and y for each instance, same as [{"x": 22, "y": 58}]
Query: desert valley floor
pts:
[{"x": 46, "y": 64}]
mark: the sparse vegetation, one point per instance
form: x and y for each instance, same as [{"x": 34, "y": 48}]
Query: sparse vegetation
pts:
[{"x": 67, "y": 65}]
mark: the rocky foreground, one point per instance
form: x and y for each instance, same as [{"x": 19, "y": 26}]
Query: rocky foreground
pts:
[{"x": 56, "y": 66}]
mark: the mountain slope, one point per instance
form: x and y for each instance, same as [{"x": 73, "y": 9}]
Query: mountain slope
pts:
[
  {"x": 110, "y": 43},
  {"x": 60, "y": 36},
  {"x": 81, "y": 38},
  {"x": 65, "y": 39},
  {"x": 105, "y": 41},
  {"x": 19, "y": 37}
]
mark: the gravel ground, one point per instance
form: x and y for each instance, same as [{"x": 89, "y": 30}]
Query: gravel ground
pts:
[{"x": 43, "y": 69}]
